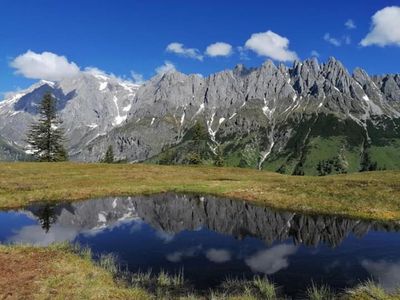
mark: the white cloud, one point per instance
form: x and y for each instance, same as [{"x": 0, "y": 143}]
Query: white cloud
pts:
[
  {"x": 271, "y": 260},
  {"x": 385, "y": 28},
  {"x": 350, "y": 24},
  {"x": 218, "y": 255},
  {"x": 387, "y": 273},
  {"x": 178, "y": 256},
  {"x": 347, "y": 40},
  {"x": 315, "y": 53},
  {"x": 219, "y": 49},
  {"x": 137, "y": 77},
  {"x": 331, "y": 40},
  {"x": 165, "y": 68},
  {"x": 45, "y": 65},
  {"x": 165, "y": 236},
  {"x": 97, "y": 72},
  {"x": 180, "y": 49},
  {"x": 243, "y": 53},
  {"x": 35, "y": 235},
  {"x": 271, "y": 45}
]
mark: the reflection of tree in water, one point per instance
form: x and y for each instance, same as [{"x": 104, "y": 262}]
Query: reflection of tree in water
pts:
[{"x": 46, "y": 216}]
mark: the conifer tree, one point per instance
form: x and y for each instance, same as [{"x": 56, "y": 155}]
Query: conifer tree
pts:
[
  {"x": 109, "y": 157},
  {"x": 46, "y": 137}
]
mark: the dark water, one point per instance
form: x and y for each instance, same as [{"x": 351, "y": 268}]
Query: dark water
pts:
[{"x": 211, "y": 239}]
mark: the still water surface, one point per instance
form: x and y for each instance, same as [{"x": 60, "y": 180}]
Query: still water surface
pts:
[{"x": 211, "y": 239}]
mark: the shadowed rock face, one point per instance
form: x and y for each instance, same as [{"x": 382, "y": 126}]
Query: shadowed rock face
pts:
[{"x": 173, "y": 213}]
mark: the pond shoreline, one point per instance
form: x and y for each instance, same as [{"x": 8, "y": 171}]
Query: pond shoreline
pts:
[
  {"x": 64, "y": 271},
  {"x": 368, "y": 196}
]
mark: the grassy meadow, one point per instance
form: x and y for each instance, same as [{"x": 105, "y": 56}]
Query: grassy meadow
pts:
[
  {"x": 63, "y": 272},
  {"x": 368, "y": 195}
]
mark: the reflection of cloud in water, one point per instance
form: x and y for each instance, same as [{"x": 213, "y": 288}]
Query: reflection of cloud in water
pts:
[
  {"x": 34, "y": 234},
  {"x": 165, "y": 236},
  {"x": 177, "y": 256},
  {"x": 136, "y": 226},
  {"x": 271, "y": 260},
  {"x": 218, "y": 255},
  {"x": 386, "y": 272}
]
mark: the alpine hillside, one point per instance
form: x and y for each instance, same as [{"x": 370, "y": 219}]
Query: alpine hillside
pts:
[{"x": 311, "y": 118}]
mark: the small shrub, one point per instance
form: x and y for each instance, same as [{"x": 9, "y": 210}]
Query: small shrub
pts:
[{"x": 194, "y": 158}]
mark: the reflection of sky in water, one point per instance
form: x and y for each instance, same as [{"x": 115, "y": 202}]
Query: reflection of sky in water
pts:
[
  {"x": 387, "y": 273},
  {"x": 212, "y": 246}
]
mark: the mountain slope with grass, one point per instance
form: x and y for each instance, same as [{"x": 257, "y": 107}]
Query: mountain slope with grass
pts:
[{"x": 308, "y": 119}]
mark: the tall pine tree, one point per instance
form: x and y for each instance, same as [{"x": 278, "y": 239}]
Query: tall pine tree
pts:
[
  {"x": 46, "y": 136},
  {"x": 109, "y": 157}
]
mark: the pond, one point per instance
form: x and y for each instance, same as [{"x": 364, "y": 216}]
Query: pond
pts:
[{"x": 211, "y": 239}]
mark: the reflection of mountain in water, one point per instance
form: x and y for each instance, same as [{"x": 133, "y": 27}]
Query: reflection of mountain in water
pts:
[{"x": 173, "y": 213}]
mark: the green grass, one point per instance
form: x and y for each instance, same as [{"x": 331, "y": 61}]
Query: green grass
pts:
[
  {"x": 320, "y": 292},
  {"x": 370, "y": 290},
  {"x": 369, "y": 195},
  {"x": 387, "y": 156},
  {"x": 328, "y": 148},
  {"x": 58, "y": 272}
]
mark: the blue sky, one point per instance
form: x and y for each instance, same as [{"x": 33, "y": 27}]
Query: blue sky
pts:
[{"x": 122, "y": 36}]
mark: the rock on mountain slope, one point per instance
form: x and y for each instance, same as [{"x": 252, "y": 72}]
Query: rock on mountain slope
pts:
[
  {"x": 90, "y": 105},
  {"x": 310, "y": 118}
]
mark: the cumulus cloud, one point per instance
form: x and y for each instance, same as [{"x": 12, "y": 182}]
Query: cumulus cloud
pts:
[
  {"x": 219, "y": 49},
  {"x": 385, "y": 29},
  {"x": 165, "y": 68},
  {"x": 137, "y": 77},
  {"x": 350, "y": 24},
  {"x": 271, "y": 260},
  {"x": 165, "y": 236},
  {"x": 243, "y": 53},
  {"x": 178, "y": 256},
  {"x": 271, "y": 45},
  {"x": 35, "y": 235},
  {"x": 315, "y": 53},
  {"x": 45, "y": 65},
  {"x": 331, "y": 40},
  {"x": 387, "y": 273},
  {"x": 218, "y": 255},
  {"x": 180, "y": 49},
  {"x": 97, "y": 72}
]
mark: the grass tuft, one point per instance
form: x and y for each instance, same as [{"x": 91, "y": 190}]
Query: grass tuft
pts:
[
  {"x": 320, "y": 292},
  {"x": 265, "y": 288},
  {"x": 370, "y": 290},
  {"x": 109, "y": 263}
]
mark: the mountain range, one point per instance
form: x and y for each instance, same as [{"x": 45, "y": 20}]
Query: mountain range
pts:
[
  {"x": 311, "y": 118},
  {"x": 188, "y": 212}
]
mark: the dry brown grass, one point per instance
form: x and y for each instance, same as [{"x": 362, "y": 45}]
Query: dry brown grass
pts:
[
  {"x": 55, "y": 272},
  {"x": 373, "y": 195}
]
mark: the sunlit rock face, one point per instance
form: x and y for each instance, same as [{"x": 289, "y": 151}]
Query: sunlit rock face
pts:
[
  {"x": 90, "y": 105},
  {"x": 265, "y": 110}
]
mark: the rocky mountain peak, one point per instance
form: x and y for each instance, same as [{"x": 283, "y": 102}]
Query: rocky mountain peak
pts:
[{"x": 263, "y": 104}]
